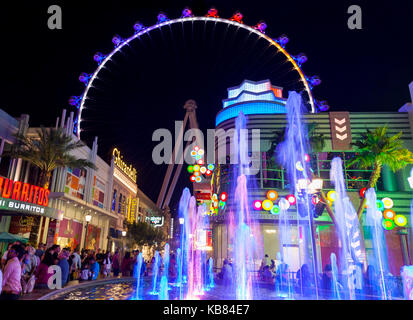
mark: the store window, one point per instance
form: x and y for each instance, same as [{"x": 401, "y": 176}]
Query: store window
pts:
[
  {"x": 114, "y": 200},
  {"x": 120, "y": 202}
]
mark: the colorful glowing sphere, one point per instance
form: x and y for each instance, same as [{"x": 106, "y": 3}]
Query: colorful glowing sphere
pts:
[
  {"x": 198, "y": 179},
  {"x": 315, "y": 199},
  {"x": 200, "y": 162},
  {"x": 275, "y": 209},
  {"x": 389, "y": 214},
  {"x": 331, "y": 195},
  {"x": 272, "y": 195},
  {"x": 299, "y": 166},
  {"x": 388, "y": 224},
  {"x": 379, "y": 205},
  {"x": 193, "y": 153},
  {"x": 214, "y": 197},
  {"x": 196, "y": 148},
  {"x": 400, "y": 220},
  {"x": 197, "y": 173},
  {"x": 211, "y": 167},
  {"x": 192, "y": 178},
  {"x": 257, "y": 204},
  {"x": 208, "y": 172},
  {"x": 362, "y": 191},
  {"x": 196, "y": 167},
  {"x": 223, "y": 196},
  {"x": 284, "y": 204},
  {"x": 388, "y": 203},
  {"x": 306, "y": 157},
  {"x": 201, "y": 152},
  {"x": 203, "y": 169},
  {"x": 215, "y": 204},
  {"x": 267, "y": 205},
  {"x": 291, "y": 199},
  {"x": 190, "y": 169}
]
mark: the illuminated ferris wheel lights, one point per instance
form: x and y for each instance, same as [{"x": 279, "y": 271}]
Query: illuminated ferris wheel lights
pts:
[
  {"x": 315, "y": 81},
  {"x": 212, "y": 15},
  {"x": 187, "y": 13}
]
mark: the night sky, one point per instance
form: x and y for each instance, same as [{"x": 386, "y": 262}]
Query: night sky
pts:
[{"x": 147, "y": 85}]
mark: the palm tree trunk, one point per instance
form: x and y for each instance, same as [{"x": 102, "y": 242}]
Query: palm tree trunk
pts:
[{"x": 375, "y": 175}]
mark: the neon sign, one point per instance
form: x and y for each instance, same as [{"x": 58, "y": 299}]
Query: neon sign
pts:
[
  {"x": 126, "y": 169},
  {"x": 25, "y": 192}
]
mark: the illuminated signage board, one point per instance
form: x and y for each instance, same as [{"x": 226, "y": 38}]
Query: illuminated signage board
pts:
[
  {"x": 25, "y": 192},
  {"x": 126, "y": 169},
  {"x": 157, "y": 221},
  {"x": 19, "y": 197}
]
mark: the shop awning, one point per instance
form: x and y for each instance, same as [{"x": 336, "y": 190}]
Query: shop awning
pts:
[{"x": 5, "y": 236}]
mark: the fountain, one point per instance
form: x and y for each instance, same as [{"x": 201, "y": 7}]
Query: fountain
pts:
[
  {"x": 348, "y": 228},
  {"x": 210, "y": 274},
  {"x": 292, "y": 154},
  {"x": 379, "y": 260},
  {"x": 155, "y": 271},
  {"x": 163, "y": 286},
  {"x": 137, "y": 273}
]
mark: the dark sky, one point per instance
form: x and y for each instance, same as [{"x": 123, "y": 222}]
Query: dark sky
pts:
[{"x": 147, "y": 85}]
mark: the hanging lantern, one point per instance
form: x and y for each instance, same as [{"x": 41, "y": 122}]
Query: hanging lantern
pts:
[
  {"x": 198, "y": 179},
  {"x": 400, "y": 220},
  {"x": 203, "y": 169},
  {"x": 211, "y": 167},
  {"x": 388, "y": 203},
  {"x": 284, "y": 204},
  {"x": 275, "y": 209},
  {"x": 299, "y": 166},
  {"x": 196, "y": 167},
  {"x": 379, "y": 205},
  {"x": 315, "y": 199},
  {"x": 331, "y": 195},
  {"x": 389, "y": 214},
  {"x": 291, "y": 199},
  {"x": 257, "y": 204},
  {"x": 224, "y": 196},
  {"x": 388, "y": 224},
  {"x": 362, "y": 191},
  {"x": 306, "y": 157},
  {"x": 267, "y": 205},
  {"x": 272, "y": 195}
]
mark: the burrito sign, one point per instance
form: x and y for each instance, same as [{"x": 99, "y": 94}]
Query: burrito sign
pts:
[{"x": 16, "y": 196}]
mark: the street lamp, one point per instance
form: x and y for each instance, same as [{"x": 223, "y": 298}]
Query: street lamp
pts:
[
  {"x": 181, "y": 220},
  {"x": 124, "y": 233},
  {"x": 88, "y": 217}
]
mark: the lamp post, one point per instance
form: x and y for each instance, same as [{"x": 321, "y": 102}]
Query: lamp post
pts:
[
  {"x": 88, "y": 217},
  {"x": 123, "y": 239}
]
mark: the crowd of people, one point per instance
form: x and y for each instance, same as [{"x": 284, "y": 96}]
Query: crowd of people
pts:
[
  {"x": 24, "y": 268},
  {"x": 276, "y": 273}
]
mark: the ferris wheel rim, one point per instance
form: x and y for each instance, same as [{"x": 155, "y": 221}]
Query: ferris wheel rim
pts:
[{"x": 137, "y": 35}]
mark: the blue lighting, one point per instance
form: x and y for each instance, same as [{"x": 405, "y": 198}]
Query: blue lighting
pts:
[{"x": 250, "y": 108}]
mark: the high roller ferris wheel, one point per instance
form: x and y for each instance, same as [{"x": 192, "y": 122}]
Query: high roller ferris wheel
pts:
[{"x": 296, "y": 61}]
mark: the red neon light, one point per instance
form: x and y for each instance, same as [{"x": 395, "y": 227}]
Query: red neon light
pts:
[{"x": 24, "y": 192}]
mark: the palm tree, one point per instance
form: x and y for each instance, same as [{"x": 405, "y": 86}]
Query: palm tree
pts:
[
  {"x": 49, "y": 150},
  {"x": 376, "y": 149}
]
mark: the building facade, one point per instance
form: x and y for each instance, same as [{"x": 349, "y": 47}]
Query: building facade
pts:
[{"x": 264, "y": 107}]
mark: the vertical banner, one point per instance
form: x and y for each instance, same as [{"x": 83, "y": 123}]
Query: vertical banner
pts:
[{"x": 340, "y": 131}]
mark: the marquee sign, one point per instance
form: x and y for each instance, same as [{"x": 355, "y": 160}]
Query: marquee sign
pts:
[
  {"x": 156, "y": 221},
  {"x": 126, "y": 169},
  {"x": 25, "y": 192},
  {"x": 23, "y": 198},
  {"x": 340, "y": 131}
]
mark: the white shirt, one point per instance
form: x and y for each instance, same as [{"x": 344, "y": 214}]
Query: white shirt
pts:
[{"x": 77, "y": 261}]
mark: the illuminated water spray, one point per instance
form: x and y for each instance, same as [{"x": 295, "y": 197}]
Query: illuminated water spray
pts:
[
  {"x": 137, "y": 273},
  {"x": 163, "y": 286},
  {"x": 379, "y": 260},
  {"x": 155, "y": 271}
]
